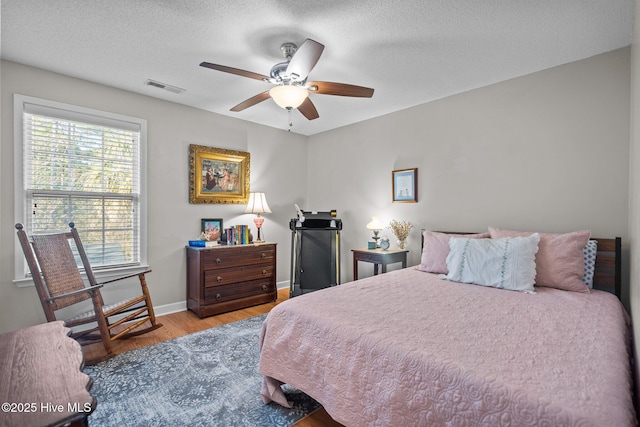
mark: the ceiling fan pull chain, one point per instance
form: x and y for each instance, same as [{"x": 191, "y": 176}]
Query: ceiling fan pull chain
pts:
[{"x": 290, "y": 120}]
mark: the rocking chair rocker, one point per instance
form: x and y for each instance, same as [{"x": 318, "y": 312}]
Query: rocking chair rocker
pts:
[{"x": 59, "y": 285}]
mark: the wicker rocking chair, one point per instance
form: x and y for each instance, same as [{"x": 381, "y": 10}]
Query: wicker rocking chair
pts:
[{"x": 59, "y": 285}]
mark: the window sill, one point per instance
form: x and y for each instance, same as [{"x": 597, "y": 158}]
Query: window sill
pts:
[{"x": 101, "y": 275}]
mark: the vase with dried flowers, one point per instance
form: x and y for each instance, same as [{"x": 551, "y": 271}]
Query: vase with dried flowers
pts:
[{"x": 401, "y": 231}]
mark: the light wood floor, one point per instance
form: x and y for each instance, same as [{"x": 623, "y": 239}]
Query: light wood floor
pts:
[{"x": 185, "y": 322}]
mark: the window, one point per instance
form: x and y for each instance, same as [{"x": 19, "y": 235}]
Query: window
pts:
[{"x": 82, "y": 166}]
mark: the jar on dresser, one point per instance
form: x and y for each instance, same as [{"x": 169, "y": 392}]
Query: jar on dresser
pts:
[{"x": 226, "y": 278}]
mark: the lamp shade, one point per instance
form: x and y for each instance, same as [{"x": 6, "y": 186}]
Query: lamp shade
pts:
[
  {"x": 288, "y": 96},
  {"x": 257, "y": 204},
  {"x": 375, "y": 223}
]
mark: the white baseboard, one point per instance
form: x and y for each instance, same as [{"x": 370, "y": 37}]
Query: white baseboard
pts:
[{"x": 175, "y": 307}]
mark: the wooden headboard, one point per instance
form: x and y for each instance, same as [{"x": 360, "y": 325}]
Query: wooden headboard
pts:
[
  {"x": 608, "y": 274},
  {"x": 608, "y": 271}
]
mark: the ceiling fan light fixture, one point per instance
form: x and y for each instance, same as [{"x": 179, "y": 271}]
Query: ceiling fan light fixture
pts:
[{"x": 288, "y": 96}]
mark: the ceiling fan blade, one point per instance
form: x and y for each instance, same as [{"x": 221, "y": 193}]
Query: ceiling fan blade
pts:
[
  {"x": 236, "y": 71},
  {"x": 340, "y": 89},
  {"x": 305, "y": 58},
  {"x": 252, "y": 101},
  {"x": 308, "y": 109}
]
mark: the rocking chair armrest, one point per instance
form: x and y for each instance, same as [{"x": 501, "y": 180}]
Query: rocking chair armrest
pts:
[
  {"x": 90, "y": 290},
  {"x": 125, "y": 277}
]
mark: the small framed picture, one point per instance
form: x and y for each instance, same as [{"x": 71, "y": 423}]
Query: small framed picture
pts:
[
  {"x": 212, "y": 228},
  {"x": 405, "y": 185}
]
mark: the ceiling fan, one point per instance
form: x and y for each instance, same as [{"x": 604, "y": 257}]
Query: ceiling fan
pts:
[{"x": 291, "y": 88}]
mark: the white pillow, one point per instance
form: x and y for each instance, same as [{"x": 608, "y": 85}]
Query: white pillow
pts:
[{"x": 506, "y": 263}]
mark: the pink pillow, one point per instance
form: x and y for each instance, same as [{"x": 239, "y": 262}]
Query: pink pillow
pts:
[
  {"x": 560, "y": 258},
  {"x": 436, "y": 248}
]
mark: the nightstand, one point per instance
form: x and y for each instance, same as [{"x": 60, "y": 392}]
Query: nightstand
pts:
[{"x": 378, "y": 257}]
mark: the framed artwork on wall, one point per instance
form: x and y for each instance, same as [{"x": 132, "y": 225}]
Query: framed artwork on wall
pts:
[
  {"x": 404, "y": 184},
  {"x": 212, "y": 227},
  {"x": 217, "y": 175}
]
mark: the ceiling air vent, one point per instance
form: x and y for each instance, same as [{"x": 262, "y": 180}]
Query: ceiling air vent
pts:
[{"x": 164, "y": 86}]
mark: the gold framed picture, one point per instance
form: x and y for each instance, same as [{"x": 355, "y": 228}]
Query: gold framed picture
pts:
[{"x": 218, "y": 175}]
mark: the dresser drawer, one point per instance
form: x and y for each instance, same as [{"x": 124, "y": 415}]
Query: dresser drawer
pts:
[
  {"x": 225, "y": 276},
  {"x": 232, "y": 257},
  {"x": 223, "y": 293}
]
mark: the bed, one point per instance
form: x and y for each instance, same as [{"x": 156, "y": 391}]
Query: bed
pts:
[{"x": 414, "y": 348}]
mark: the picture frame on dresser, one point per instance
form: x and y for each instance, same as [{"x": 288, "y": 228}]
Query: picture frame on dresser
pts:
[
  {"x": 404, "y": 185},
  {"x": 213, "y": 227},
  {"x": 218, "y": 175}
]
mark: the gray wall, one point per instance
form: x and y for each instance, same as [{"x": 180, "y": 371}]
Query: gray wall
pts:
[
  {"x": 634, "y": 188},
  {"x": 278, "y": 167},
  {"x": 546, "y": 151}
]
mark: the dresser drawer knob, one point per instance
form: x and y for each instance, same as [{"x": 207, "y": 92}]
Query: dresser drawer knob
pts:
[
  {"x": 265, "y": 288},
  {"x": 263, "y": 255},
  {"x": 219, "y": 279},
  {"x": 264, "y": 271},
  {"x": 218, "y": 260},
  {"x": 218, "y": 296}
]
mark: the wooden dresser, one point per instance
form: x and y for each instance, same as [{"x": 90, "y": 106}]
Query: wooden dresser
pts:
[{"x": 226, "y": 278}]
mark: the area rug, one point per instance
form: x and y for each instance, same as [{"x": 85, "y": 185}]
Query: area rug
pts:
[{"x": 208, "y": 378}]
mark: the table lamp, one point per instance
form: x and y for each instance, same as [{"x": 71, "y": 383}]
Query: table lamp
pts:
[
  {"x": 375, "y": 225},
  {"x": 258, "y": 205}
]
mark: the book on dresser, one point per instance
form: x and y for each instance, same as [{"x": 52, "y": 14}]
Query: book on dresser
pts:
[
  {"x": 230, "y": 277},
  {"x": 203, "y": 243}
]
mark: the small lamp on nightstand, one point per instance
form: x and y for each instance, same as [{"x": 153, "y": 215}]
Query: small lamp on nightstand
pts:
[
  {"x": 258, "y": 205},
  {"x": 375, "y": 225}
]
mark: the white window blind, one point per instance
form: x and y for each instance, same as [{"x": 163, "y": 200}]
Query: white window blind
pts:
[{"x": 83, "y": 168}]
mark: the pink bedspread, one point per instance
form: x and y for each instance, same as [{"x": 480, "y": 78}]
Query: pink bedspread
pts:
[{"x": 407, "y": 348}]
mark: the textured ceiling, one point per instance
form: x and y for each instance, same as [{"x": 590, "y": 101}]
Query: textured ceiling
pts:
[{"x": 409, "y": 51}]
